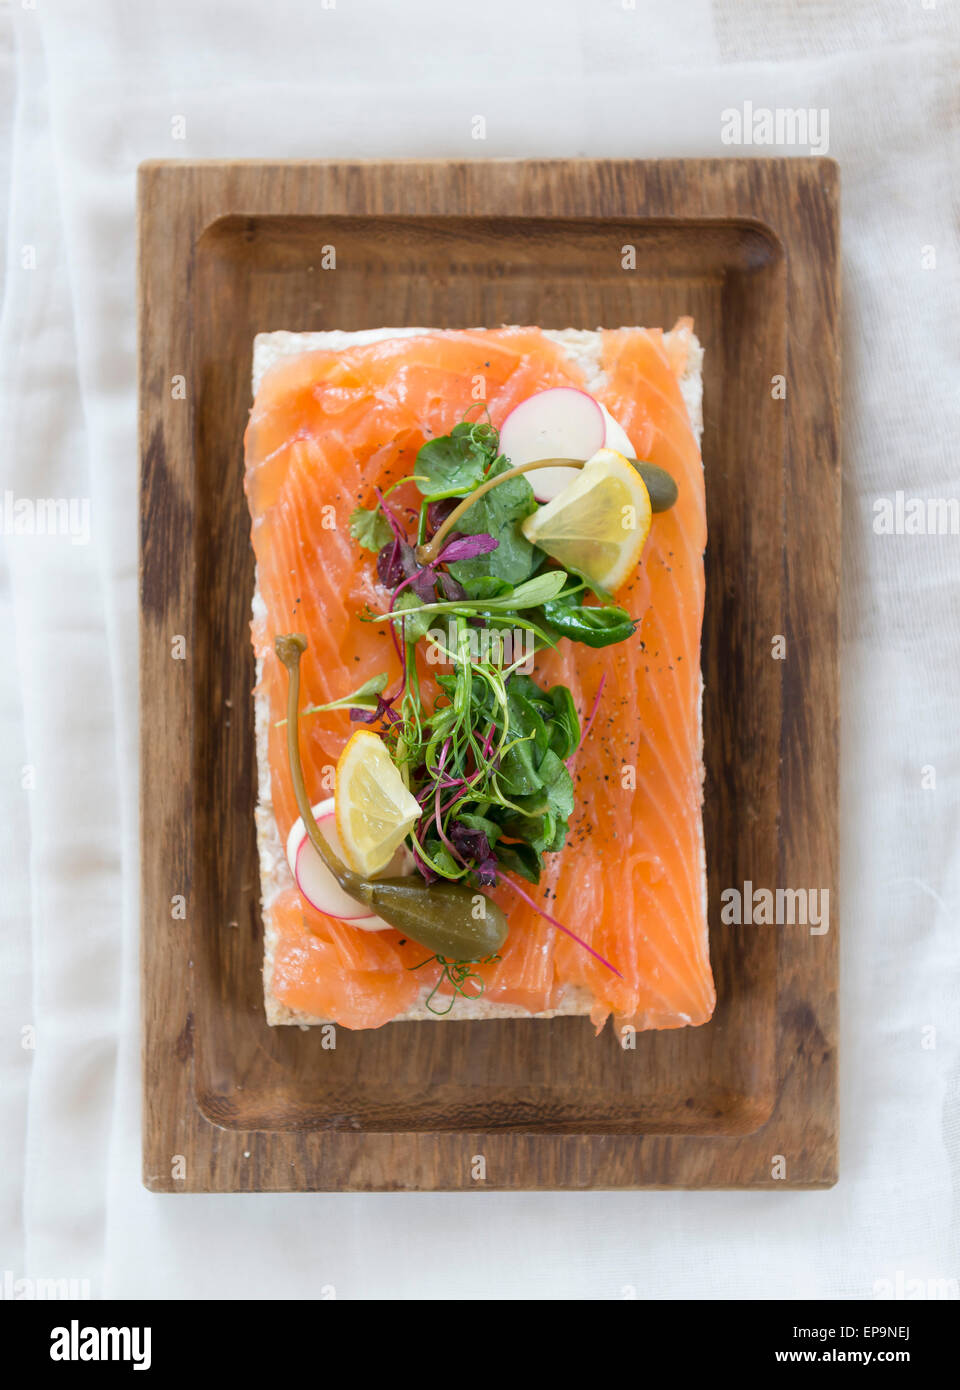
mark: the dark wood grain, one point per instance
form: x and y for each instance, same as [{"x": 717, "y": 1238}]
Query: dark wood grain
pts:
[{"x": 749, "y": 248}]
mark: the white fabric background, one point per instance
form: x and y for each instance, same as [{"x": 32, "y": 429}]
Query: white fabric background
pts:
[{"x": 87, "y": 90}]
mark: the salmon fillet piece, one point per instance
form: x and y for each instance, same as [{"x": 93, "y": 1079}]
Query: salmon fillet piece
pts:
[{"x": 328, "y": 426}]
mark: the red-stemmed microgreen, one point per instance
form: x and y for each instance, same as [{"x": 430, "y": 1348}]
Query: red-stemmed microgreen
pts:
[
  {"x": 590, "y": 718},
  {"x": 515, "y": 887}
]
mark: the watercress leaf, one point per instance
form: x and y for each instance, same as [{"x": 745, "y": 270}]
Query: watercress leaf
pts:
[
  {"x": 594, "y": 625},
  {"x": 558, "y": 784},
  {"x": 537, "y": 804},
  {"x": 423, "y": 867},
  {"x": 482, "y": 434},
  {"x": 536, "y": 831},
  {"x": 452, "y": 464},
  {"x": 499, "y": 513},
  {"x": 525, "y": 720},
  {"x": 564, "y": 727},
  {"x": 517, "y": 774},
  {"x": 473, "y": 821},
  {"x": 441, "y": 859},
  {"x": 559, "y": 837},
  {"x": 544, "y": 824},
  {"x": 528, "y": 688},
  {"x": 370, "y": 528},
  {"x": 520, "y": 859},
  {"x": 417, "y": 624},
  {"x": 487, "y": 586}
]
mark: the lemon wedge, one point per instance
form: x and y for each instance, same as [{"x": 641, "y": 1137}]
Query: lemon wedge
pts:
[
  {"x": 599, "y": 523},
  {"x": 374, "y": 810}
]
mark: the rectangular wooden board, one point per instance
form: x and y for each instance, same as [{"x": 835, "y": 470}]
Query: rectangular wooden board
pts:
[{"x": 750, "y": 249}]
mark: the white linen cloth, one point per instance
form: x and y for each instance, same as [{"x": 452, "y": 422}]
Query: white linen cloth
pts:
[{"x": 87, "y": 90}]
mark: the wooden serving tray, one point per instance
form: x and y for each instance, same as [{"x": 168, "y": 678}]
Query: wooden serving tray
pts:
[{"x": 750, "y": 249}]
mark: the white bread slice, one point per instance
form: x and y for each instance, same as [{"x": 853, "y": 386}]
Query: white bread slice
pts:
[{"x": 582, "y": 347}]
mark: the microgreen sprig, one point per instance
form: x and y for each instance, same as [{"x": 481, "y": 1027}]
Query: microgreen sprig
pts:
[{"x": 457, "y": 973}]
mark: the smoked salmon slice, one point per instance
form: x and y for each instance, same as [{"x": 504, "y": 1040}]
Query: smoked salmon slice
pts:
[{"x": 329, "y": 427}]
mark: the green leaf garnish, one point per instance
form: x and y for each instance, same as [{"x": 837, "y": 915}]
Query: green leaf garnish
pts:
[
  {"x": 521, "y": 859},
  {"x": 596, "y": 625},
  {"x": 457, "y": 973},
  {"x": 558, "y": 785},
  {"x": 364, "y": 697},
  {"x": 370, "y": 528},
  {"x": 415, "y": 615},
  {"x": 454, "y": 464},
  {"x": 489, "y": 827},
  {"x": 500, "y": 512},
  {"x": 517, "y": 775},
  {"x": 487, "y": 586},
  {"x": 565, "y": 725},
  {"x": 531, "y": 594}
]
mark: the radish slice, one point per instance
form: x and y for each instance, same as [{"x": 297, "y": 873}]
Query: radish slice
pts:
[
  {"x": 616, "y": 437},
  {"x": 560, "y": 423},
  {"x": 317, "y": 883}
]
